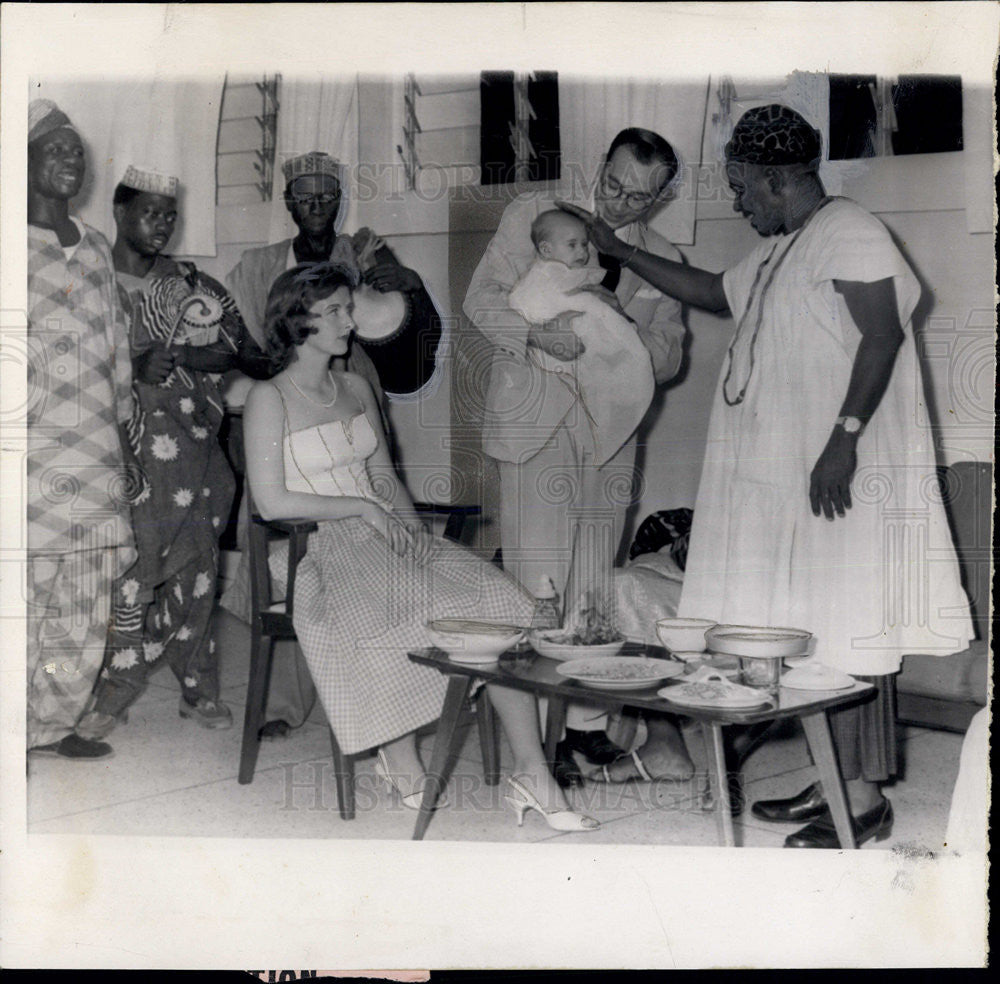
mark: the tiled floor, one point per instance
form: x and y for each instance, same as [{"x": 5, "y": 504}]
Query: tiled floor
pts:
[{"x": 170, "y": 777}]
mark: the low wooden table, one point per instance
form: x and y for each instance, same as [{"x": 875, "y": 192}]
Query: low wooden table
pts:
[{"x": 524, "y": 669}]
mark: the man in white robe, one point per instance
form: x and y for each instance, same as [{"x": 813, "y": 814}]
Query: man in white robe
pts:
[{"x": 818, "y": 506}]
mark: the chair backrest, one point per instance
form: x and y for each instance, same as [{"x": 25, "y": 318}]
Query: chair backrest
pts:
[
  {"x": 261, "y": 588},
  {"x": 260, "y": 534},
  {"x": 231, "y": 439}
]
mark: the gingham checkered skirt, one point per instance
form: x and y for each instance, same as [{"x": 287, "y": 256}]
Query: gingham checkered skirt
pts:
[{"x": 360, "y": 608}]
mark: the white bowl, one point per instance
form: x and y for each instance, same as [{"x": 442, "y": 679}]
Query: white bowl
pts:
[
  {"x": 684, "y": 635},
  {"x": 817, "y": 676},
  {"x": 471, "y": 639},
  {"x": 541, "y": 641},
  {"x": 758, "y": 641}
]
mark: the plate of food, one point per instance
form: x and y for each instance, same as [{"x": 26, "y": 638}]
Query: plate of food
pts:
[
  {"x": 620, "y": 672},
  {"x": 714, "y": 690}
]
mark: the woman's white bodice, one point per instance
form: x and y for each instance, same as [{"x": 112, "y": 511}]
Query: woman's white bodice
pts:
[{"x": 331, "y": 458}]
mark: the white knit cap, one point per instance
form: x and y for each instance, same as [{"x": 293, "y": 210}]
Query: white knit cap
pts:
[{"x": 146, "y": 179}]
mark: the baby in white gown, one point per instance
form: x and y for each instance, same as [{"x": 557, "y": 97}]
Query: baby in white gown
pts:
[{"x": 614, "y": 375}]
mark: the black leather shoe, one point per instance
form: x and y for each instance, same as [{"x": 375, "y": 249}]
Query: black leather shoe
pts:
[
  {"x": 810, "y": 804},
  {"x": 877, "y": 823},
  {"x": 595, "y": 746},
  {"x": 565, "y": 771},
  {"x": 74, "y": 747},
  {"x": 274, "y": 729}
]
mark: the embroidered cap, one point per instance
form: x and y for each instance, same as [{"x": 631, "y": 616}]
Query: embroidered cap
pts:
[
  {"x": 146, "y": 179},
  {"x": 315, "y": 162},
  {"x": 44, "y": 116},
  {"x": 774, "y": 135}
]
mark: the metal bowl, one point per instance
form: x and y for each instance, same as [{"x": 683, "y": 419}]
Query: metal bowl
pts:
[{"x": 758, "y": 641}]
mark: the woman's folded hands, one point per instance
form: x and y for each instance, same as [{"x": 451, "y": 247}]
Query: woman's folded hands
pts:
[{"x": 403, "y": 534}]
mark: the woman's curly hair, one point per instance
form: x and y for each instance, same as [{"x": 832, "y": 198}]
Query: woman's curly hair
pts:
[{"x": 287, "y": 318}]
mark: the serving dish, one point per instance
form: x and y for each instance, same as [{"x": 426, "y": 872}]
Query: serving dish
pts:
[
  {"x": 758, "y": 641},
  {"x": 713, "y": 690},
  {"x": 683, "y": 634},
  {"x": 473, "y": 640},
  {"x": 817, "y": 676},
  {"x": 620, "y": 673},
  {"x": 543, "y": 641}
]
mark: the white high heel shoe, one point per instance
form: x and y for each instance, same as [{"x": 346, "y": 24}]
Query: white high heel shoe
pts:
[
  {"x": 562, "y": 820},
  {"x": 411, "y": 801}
]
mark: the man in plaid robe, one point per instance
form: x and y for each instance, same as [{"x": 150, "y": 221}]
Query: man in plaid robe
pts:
[{"x": 79, "y": 534}]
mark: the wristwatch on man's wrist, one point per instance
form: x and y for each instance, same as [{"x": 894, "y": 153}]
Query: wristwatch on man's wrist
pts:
[{"x": 853, "y": 425}]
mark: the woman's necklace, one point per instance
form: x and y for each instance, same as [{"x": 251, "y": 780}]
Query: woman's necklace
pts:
[
  {"x": 317, "y": 403},
  {"x": 735, "y": 401}
]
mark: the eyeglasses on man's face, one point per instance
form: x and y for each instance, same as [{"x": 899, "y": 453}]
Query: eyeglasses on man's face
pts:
[{"x": 613, "y": 188}]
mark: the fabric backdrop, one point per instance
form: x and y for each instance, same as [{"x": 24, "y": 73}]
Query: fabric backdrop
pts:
[
  {"x": 166, "y": 125},
  {"x": 315, "y": 115},
  {"x": 592, "y": 111}
]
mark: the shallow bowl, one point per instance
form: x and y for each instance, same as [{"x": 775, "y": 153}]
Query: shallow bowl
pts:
[
  {"x": 758, "y": 641},
  {"x": 683, "y": 635},
  {"x": 543, "y": 644},
  {"x": 470, "y": 637}
]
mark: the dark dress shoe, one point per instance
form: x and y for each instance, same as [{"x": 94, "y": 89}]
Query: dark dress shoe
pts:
[
  {"x": 876, "y": 822},
  {"x": 565, "y": 771},
  {"x": 595, "y": 746},
  {"x": 810, "y": 804},
  {"x": 74, "y": 747},
  {"x": 274, "y": 729}
]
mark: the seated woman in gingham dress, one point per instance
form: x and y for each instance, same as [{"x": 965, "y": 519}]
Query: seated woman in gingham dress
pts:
[{"x": 373, "y": 575}]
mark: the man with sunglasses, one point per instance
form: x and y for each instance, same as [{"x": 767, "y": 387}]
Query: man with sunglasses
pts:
[
  {"x": 533, "y": 418},
  {"x": 402, "y": 364}
]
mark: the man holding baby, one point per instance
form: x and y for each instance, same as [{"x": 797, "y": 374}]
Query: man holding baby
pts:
[{"x": 560, "y": 479}]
